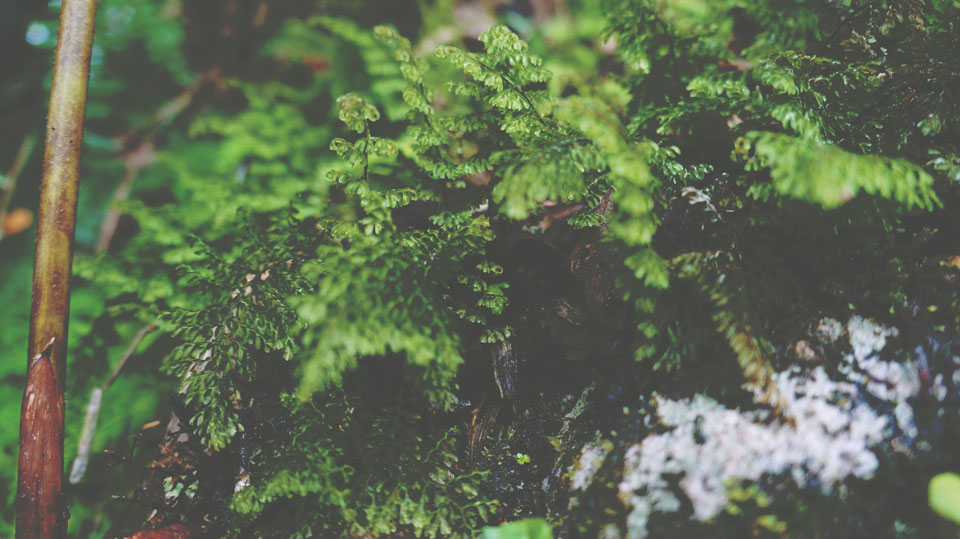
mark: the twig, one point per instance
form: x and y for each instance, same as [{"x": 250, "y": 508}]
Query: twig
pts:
[
  {"x": 130, "y": 350},
  {"x": 10, "y": 181},
  {"x": 137, "y": 150},
  {"x": 134, "y": 161},
  {"x": 93, "y": 408},
  {"x": 86, "y": 437}
]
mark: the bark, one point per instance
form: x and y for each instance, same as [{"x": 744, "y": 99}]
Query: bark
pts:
[{"x": 41, "y": 511}]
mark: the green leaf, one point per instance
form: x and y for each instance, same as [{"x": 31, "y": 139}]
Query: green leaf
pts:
[
  {"x": 944, "y": 496},
  {"x": 530, "y": 528}
]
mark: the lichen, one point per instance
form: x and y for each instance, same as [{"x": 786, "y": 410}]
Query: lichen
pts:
[
  {"x": 886, "y": 380},
  {"x": 830, "y": 329},
  {"x": 834, "y": 437},
  {"x": 587, "y": 465}
]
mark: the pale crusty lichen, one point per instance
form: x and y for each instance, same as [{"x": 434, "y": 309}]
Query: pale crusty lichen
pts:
[
  {"x": 585, "y": 467},
  {"x": 711, "y": 446}
]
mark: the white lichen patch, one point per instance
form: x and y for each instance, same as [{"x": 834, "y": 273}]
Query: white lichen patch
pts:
[
  {"x": 585, "y": 467},
  {"x": 886, "y": 380},
  {"x": 711, "y": 446},
  {"x": 830, "y": 329},
  {"x": 866, "y": 337}
]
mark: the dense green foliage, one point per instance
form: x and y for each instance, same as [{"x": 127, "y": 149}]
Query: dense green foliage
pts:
[{"x": 356, "y": 242}]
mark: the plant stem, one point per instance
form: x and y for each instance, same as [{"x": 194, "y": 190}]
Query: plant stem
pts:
[
  {"x": 41, "y": 511},
  {"x": 138, "y": 151},
  {"x": 93, "y": 408},
  {"x": 10, "y": 182}
]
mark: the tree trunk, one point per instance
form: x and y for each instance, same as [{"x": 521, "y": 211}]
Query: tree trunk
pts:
[{"x": 41, "y": 511}]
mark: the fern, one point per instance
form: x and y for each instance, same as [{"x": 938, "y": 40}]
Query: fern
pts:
[
  {"x": 247, "y": 315},
  {"x": 367, "y": 281},
  {"x": 354, "y": 473},
  {"x": 828, "y": 176}
]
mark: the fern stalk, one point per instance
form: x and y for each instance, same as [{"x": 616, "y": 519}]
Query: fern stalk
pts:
[{"x": 41, "y": 511}]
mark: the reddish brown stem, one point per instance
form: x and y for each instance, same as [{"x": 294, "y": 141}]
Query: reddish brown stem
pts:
[{"x": 41, "y": 511}]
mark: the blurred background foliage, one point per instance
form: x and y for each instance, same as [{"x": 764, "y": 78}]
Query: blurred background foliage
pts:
[{"x": 207, "y": 122}]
